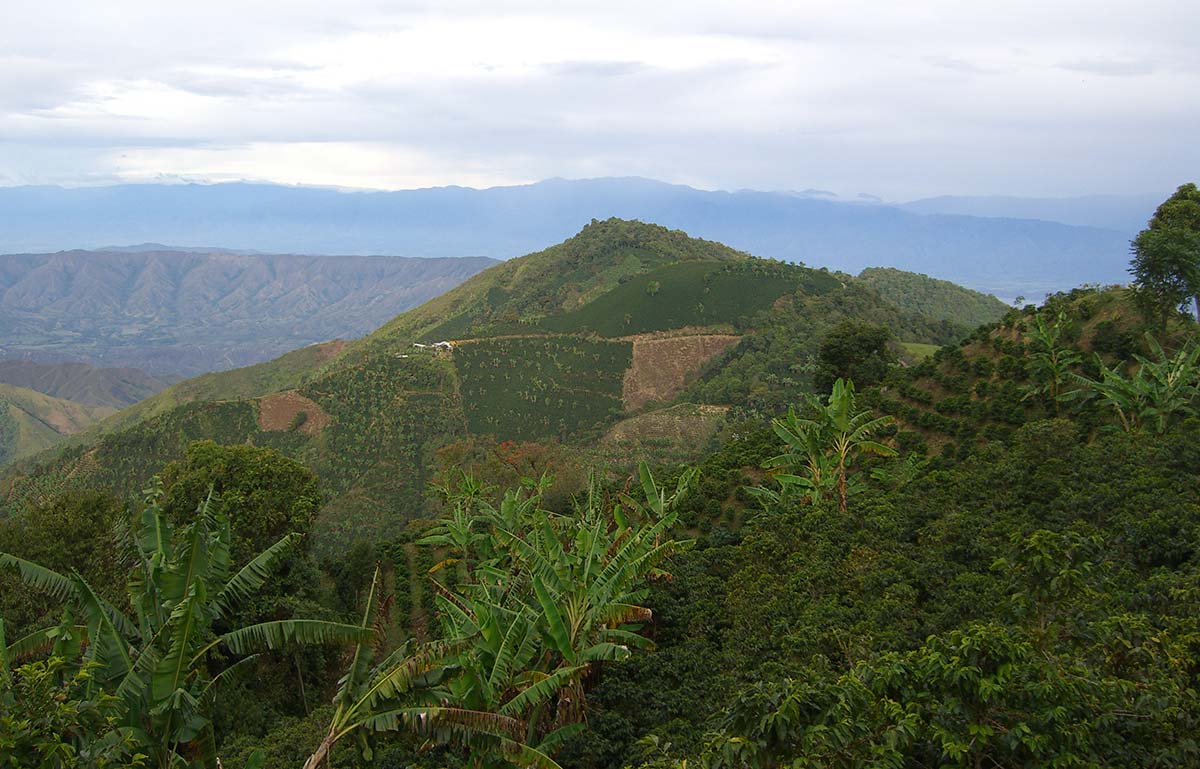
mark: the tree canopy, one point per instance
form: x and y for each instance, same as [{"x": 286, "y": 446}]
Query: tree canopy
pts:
[{"x": 1166, "y": 255}]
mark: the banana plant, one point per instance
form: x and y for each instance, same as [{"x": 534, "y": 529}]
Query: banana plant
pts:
[
  {"x": 547, "y": 598},
  {"x": 822, "y": 448},
  {"x": 384, "y": 696},
  {"x": 1159, "y": 392},
  {"x": 1051, "y": 361},
  {"x": 183, "y": 593}
]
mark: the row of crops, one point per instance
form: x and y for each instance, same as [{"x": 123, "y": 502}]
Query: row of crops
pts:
[{"x": 542, "y": 387}]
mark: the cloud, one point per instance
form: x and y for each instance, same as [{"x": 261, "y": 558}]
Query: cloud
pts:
[
  {"x": 1110, "y": 67},
  {"x": 904, "y": 100}
]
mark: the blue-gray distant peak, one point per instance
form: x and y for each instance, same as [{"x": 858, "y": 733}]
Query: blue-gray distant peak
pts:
[{"x": 1025, "y": 254}]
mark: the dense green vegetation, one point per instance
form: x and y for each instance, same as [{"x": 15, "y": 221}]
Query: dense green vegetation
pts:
[
  {"x": 939, "y": 299},
  {"x": 1166, "y": 255},
  {"x": 541, "y": 387},
  {"x": 990, "y": 557},
  {"x": 691, "y": 294}
]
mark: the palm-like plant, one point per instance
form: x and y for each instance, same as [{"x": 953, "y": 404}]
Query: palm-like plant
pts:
[
  {"x": 183, "y": 592},
  {"x": 1051, "y": 361},
  {"x": 1158, "y": 393},
  {"x": 380, "y": 697},
  {"x": 545, "y": 598},
  {"x": 822, "y": 448}
]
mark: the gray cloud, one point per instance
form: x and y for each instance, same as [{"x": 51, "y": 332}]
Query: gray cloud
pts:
[
  {"x": 1110, "y": 67},
  {"x": 904, "y": 100}
]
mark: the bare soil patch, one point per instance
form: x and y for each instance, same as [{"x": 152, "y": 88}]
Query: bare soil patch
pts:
[
  {"x": 281, "y": 411},
  {"x": 330, "y": 350},
  {"x": 662, "y": 367}
]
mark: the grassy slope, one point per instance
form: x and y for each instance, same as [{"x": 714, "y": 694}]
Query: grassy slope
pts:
[
  {"x": 283, "y": 373},
  {"x": 33, "y": 422}
]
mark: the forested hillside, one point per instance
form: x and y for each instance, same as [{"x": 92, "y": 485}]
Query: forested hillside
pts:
[
  {"x": 934, "y": 298},
  {"x": 560, "y": 345},
  {"x": 659, "y": 505}
]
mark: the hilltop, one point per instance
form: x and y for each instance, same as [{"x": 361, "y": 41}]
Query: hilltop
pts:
[{"x": 576, "y": 344}]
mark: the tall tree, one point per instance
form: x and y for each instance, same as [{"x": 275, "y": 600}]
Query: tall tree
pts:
[{"x": 1166, "y": 255}]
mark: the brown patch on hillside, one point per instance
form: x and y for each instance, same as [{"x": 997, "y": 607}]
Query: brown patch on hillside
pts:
[
  {"x": 280, "y": 411},
  {"x": 685, "y": 425},
  {"x": 662, "y": 367},
  {"x": 330, "y": 350}
]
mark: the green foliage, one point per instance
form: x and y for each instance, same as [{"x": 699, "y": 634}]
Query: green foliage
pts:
[
  {"x": 1159, "y": 393},
  {"x": 266, "y": 494},
  {"x": 539, "y": 602},
  {"x": 933, "y": 298},
  {"x": 74, "y": 530},
  {"x": 540, "y": 387},
  {"x": 776, "y": 362},
  {"x": 691, "y": 294},
  {"x": 1051, "y": 361},
  {"x": 855, "y": 351},
  {"x": 53, "y": 717},
  {"x": 162, "y": 665},
  {"x": 1166, "y": 255},
  {"x": 821, "y": 448}
]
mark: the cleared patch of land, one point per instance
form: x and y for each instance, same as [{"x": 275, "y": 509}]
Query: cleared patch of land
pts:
[
  {"x": 282, "y": 411},
  {"x": 685, "y": 424},
  {"x": 918, "y": 350},
  {"x": 663, "y": 366}
]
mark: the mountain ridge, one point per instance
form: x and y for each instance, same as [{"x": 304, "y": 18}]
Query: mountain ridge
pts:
[
  {"x": 188, "y": 312},
  {"x": 1002, "y": 256},
  {"x": 623, "y": 319}
]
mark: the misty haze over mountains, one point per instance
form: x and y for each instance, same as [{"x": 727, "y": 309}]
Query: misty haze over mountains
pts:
[{"x": 1005, "y": 246}]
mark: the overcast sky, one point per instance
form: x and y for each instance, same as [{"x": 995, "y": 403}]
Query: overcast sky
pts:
[{"x": 900, "y": 99}]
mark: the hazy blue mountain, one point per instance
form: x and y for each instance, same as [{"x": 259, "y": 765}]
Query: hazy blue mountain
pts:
[
  {"x": 997, "y": 255},
  {"x": 187, "y": 312},
  {"x": 1127, "y": 213}
]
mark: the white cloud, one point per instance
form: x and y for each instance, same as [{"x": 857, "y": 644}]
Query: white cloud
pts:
[{"x": 901, "y": 99}]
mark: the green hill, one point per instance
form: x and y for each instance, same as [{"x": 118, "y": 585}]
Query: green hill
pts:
[
  {"x": 934, "y": 298},
  {"x": 558, "y": 346},
  {"x": 31, "y": 421}
]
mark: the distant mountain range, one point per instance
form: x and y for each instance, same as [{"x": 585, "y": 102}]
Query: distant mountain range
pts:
[
  {"x": 171, "y": 311},
  {"x": 1127, "y": 213},
  {"x": 988, "y": 249}
]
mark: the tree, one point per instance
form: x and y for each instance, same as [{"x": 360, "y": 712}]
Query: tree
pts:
[
  {"x": 856, "y": 351},
  {"x": 1166, "y": 255},
  {"x": 162, "y": 663},
  {"x": 264, "y": 493},
  {"x": 1050, "y": 360},
  {"x": 53, "y": 718},
  {"x": 825, "y": 446}
]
